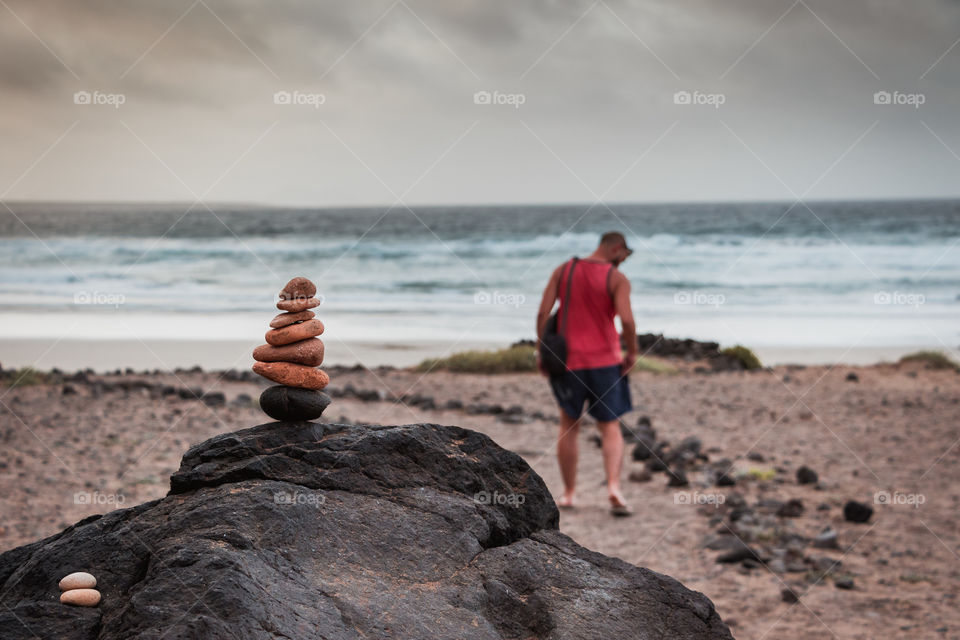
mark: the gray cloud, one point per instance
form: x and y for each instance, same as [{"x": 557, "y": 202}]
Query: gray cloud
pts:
[{"x": 598, "y": 85}]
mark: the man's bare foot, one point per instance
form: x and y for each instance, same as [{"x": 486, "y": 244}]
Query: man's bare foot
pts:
[
  {"x": 617, "y": 499},
  {"x": 566, "y": 502},
  {"x": 618, "y": 506}
]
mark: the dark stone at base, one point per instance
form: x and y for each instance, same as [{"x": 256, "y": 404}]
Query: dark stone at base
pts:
[
  {"x": 855, "y": 511},
  {"x": 290, "y": 404}
]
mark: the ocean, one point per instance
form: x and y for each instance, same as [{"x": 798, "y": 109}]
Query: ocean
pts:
[{"x": 823, "y": 275}]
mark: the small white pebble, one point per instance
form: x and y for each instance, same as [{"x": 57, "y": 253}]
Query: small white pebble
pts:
[{"x": 78, "y": 580}]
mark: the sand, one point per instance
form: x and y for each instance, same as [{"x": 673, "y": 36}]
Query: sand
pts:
[{"x": 897, "y": 430}]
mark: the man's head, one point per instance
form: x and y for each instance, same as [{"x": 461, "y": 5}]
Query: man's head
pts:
[{"x": 614, "y": 247}]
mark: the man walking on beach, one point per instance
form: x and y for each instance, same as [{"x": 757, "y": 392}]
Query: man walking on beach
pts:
[{"x": 596, "y": 372}]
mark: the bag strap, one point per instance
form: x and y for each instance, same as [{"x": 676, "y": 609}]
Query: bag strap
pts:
[{"x": 562, "y": 325}]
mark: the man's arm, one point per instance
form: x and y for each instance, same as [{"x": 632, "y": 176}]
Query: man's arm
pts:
[
  {"x": 621, "y": 303},
  {"x": 547, "y": 302}
]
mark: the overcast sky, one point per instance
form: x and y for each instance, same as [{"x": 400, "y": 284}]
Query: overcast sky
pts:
[{"x": 587, "y": 90}]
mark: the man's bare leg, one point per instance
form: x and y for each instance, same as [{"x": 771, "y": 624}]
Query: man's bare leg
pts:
[
  {"x": 567, "y": 457},
  {"x": 612, "y": 459}
]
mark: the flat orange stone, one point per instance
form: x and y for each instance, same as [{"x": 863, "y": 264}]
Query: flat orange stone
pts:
[
  {"x": 294, "y": 332},
  {"x": 284, "y": 319},
  {"x": 293, "y": 375},
  {"x": 298, "y": 304},
  {"x": 308, "y": 352}
]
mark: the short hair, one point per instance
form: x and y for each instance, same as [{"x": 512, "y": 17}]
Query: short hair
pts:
[{"x": 612, "y": 239}]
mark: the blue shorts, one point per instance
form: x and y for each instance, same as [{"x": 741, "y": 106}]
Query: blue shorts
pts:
[{"x": 606, "y": 391}]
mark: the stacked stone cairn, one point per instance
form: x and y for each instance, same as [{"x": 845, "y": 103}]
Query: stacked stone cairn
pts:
[
  {"x": 291, "y": 356},
  {"x": 78, "y": 589}
]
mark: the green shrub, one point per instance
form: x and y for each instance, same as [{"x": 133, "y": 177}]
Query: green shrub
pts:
[
  {"x": 743, "y": 354},
  {"x": 521, "y": 358},
  {"x": 931, "y": 359},
  {"x": 25, "y": 377},
  {"x": 655, "y": 366}
]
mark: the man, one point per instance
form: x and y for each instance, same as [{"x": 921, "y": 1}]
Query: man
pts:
[{"x": 596, "y": 370}]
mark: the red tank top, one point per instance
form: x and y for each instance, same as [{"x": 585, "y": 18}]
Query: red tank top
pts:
[{"x": 592, "y": 339}]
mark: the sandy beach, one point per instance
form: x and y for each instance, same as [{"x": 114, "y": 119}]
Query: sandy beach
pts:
[
  {"x": 97, "y": 442},
  {"x": 71, "y": 354}
]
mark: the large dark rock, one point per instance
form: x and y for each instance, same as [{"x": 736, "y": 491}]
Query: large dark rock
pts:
[{"x": 302, "y": 531}]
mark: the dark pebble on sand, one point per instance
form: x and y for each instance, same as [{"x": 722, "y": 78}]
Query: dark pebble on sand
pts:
[
  {"x": 855, "y": 511},
  {"x": 214, "y": 399},
  {"x": 193, "y": 393},
  {"x": 656, "y": 464},
  {"x": 789, "y": 596},
  {"x": 643, "y": 450},
  {"x": 739, "y": 553},
  {"x": 843, "y": 583},
  {"x": 827, "y": 539},
  {"x": 806, "y": 475},
  {"x": 792, "y": 508},
  {"x": 291, "y": 404},
  {"x": 242, "y": 400},
  {"x": 678, "y": 478}
]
